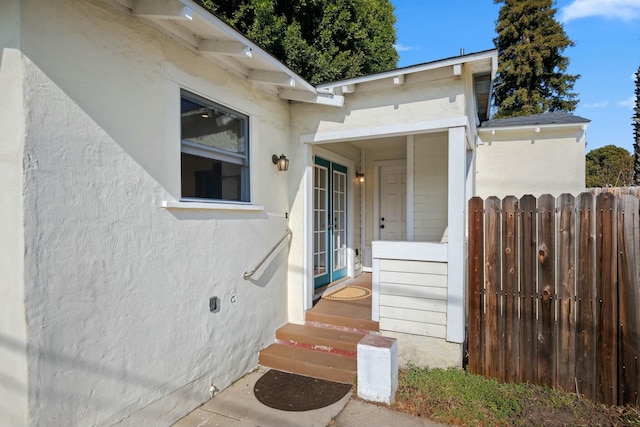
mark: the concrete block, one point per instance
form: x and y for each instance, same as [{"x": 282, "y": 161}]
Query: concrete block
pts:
[{"x": 377, "y": 368}]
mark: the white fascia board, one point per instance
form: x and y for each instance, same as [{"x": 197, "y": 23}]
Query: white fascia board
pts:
[
  {"x": 162, "y": 9},
  {"x": 384, "y": 130},
  {"x": 273, "y": 77},
  {"x": 348, "y": 88},
  {"x": 496, "y": 129},
  {"x": 318, "y": 98},
  {"x": 211, "y": 19},
  {"x": 225, "y": 48},
  {"x": 415, "y": 69}
]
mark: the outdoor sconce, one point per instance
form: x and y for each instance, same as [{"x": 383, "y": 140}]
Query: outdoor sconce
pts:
[
  {"x": 360, "y": 176},
  {"x": 281, "y": 162}
]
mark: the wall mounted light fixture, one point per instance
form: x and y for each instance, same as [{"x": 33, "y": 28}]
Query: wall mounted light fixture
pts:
[
  {"x": 281, "y": 162},
  {"x": 360, "y": 176}
]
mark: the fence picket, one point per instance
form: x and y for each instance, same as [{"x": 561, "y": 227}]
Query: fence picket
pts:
[
  {"x": 606, "y": 298},
  {"x": 585, "y": 376},
  {"x": 476, "y": 283},
  {"x": 629, "y": 300},
  {"x": 546, "y": 289},
  {"x": 528, "y": 300},
  {"x": 510, "y": 273},
  {"x": 494, "y": 337},
  {"x": 566, "y": 293}
]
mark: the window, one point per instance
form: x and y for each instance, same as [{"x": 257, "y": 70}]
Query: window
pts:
[{"x": 214, "y": 151}]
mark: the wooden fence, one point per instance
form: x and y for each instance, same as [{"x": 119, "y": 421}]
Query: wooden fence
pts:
[{"x": 554, "y": 292}]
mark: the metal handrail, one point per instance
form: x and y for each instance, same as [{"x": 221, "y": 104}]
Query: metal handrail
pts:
[{"x": 250, "y": 273}]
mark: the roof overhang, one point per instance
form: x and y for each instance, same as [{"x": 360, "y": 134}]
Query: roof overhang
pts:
[
  {"x": 532, "y": 127},
  {"x": 202, "y": 32},
  {"x": 481, "y": 63}
]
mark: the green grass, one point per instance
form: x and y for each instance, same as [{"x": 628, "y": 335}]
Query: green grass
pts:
[{"x": 456, "y": 397}]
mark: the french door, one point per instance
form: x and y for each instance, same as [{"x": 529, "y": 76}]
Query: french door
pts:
[{"x": 329, "y": 221}]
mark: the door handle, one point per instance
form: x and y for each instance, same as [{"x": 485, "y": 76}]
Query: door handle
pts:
[{"x": 382, "y": 226}]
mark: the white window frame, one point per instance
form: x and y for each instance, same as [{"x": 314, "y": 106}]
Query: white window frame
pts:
[{"x": 204, "y": 151}]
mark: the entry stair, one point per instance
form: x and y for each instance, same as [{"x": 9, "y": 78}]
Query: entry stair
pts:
[{"x": 324, "y": 347}]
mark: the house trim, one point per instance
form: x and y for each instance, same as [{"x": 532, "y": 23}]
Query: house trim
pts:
[
  {"x": 410, "y": 188},
  {"x": 456, "y": 235},
  {"x": 384, "y": 131},
  {"x": 212, "y": 206}
]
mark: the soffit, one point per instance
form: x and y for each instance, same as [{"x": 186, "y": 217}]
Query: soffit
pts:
[{"x": 199, "y": 30}]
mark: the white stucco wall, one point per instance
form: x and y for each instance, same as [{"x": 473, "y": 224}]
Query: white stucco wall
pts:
[
  {"x": 117, "y": 287},
  {"x": 527, "y": 162},
  {"x": 13, "y": 330}
]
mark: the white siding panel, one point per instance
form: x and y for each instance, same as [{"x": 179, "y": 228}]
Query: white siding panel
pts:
[
  {"x": 426, "y": 304},
  {"x": 430, "y": 187},
  {"x": 439, "y": 268},
  {"x": 415, "y": 279},
  {"x": 426, "y": 329},
  {"x": 439, "y": 293},
  {"x": 420, "y": 316}
]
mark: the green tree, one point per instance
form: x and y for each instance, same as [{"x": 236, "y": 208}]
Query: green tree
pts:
[
  {"x": 609, "y": 166},
  {"x": 532, "y": 77},
  {"x": 322, "y": 40},
  {"x": 636, "y": 133}
]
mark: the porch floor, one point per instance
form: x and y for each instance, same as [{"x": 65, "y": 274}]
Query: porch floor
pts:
[{"x": 354, "y": 314}]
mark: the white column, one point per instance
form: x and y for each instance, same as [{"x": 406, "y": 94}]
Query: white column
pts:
[
  {"x": 410, "y": 189},
  {"x": 456, "y": 246}
]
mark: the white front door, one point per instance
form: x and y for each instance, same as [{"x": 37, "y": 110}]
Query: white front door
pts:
[{"x": 392, "y": 219}]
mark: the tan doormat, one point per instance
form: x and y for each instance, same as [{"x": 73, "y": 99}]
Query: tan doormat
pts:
[{"x": 348, "y": 293}]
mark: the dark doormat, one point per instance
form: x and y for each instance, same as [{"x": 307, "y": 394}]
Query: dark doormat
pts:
[{"x": 291, "y": 392}]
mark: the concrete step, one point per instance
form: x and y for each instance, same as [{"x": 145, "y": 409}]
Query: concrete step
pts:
[
  {"x": 335, "y": 341},
  {"x": 312, "y": 363},
  {"x": 340, "y": 321}
]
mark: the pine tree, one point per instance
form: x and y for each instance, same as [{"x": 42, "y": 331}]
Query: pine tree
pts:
[
  {"x": 532, "y": 77},
  {"x": 322, "y": 40},
  {"x": 636, "y": 133}
]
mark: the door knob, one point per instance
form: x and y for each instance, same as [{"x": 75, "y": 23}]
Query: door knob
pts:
[{"x": 382, "y": 226}]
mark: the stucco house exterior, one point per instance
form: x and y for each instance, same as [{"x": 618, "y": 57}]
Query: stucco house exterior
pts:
[
  {"x": 138, "y": 188},
  {"x": 537, "y": 154}
]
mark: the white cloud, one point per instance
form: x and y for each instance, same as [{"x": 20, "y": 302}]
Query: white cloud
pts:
[
  {"x": 402, "y": 48},
  {"x": 600, "y": 104},
  {"x": 627, "y": 103},
  {"x": 626, "y": 10}
]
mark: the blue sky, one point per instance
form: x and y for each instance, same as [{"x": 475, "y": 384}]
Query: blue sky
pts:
[{"x": 606, "y": 54}]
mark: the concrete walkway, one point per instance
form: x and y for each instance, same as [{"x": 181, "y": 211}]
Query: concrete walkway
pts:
[{"x": 236, "y": 406}]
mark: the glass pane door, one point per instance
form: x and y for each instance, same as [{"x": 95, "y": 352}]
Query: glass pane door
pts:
[
  {"x": 329, "y": 222},
  {"x": 320, "y": 207}
]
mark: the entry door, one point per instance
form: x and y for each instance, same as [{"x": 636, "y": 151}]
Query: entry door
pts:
[
  {"x": 329, "y": 221},
  {"x": 393, "y": 203}
]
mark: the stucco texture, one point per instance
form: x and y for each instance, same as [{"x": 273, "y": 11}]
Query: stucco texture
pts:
[
  {"x": 117, "y": 287},
  {"x": 551, "y": 161}
]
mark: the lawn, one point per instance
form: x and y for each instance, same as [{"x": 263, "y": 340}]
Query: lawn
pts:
[{"x": 456, "y": 397}]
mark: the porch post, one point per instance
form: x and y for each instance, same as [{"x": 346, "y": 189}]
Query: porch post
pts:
[{"x": 456, "y": 241}]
